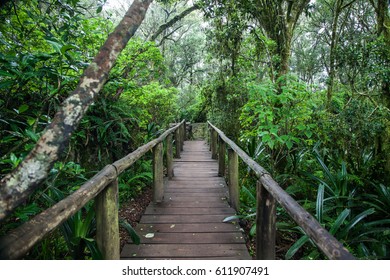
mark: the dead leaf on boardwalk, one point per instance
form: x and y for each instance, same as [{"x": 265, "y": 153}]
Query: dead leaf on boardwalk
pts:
[{"x": 149, "y": 235}]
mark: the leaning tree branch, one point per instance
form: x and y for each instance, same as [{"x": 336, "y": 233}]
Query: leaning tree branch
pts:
[
  {"x": 20, "y": 183},
  {"x": 174, "y": 20}
]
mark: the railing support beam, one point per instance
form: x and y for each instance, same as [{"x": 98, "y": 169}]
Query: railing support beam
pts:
[
  {"x": 265, "y": 224},
  {"x": 158, "y": 175},
  {"x": 221, "y": 157},
  {"x": 213, "y": 144},
  {"x": 182, "y": 136},
  {"x": 234, "y": 191},
  {"x": 177, "y": 143},
  {"x": 169, "y": 156},
  {"x": 107, "y": 224}
]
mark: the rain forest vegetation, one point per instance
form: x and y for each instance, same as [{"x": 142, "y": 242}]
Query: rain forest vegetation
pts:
[{"x": 302, "y": 86}]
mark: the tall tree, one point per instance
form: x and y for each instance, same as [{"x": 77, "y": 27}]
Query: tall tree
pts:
[
  {"x": 383, "y": 29},
  {"x": 336, "y": 7},
  {"x": 278, "y": 19},
  {"x": 19, "y": 184}
]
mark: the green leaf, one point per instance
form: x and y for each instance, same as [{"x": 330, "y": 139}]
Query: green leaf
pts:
[
  {"x": 308, "y": 133},
  {"x": 23, "y": 108},
  {"x": 289, "y": 144},
  {"x": 356, "y": 220},
  {"x": 130, "y": 230},
  {"x": 6, "y": 84},
  {"x": 56, "y": 46},
  {"x": 339, "y": 221},
  {"x": 295, "y": 247},
  {"x": 99, "y": 9},
  {"x": 65, "y": 48},
  {"x": 301, "y": 127},
  {"x": 30, "y": 121},
  {"x": 32, "y": 135},
  {"x": 320, "y": 202},
  {"x": 6, "y": 74}
]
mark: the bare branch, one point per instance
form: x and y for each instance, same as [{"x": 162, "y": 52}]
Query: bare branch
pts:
[{"x": 174, "y": 20}]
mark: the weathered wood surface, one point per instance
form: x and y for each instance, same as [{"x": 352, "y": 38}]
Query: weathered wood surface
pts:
[
  {"x": 188, "y": 224},
  {"x": 107, "y": 225}
]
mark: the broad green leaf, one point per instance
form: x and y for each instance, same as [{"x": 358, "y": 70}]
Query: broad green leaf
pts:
[
  {"x": 320, "y": 202},
  {"x": 339, "y": 221},
  {"x": 56, "y": 46},
  {"x": 130, "y": 230},
  {"x": 289, "y": 144},
  {"x": 6, "y": 74},
  {"x": 356, "y": 220},
  {"x": 6, "y": 84},
  {"x": 301, "y": 127},
  {"x": 308, "y": 133},
  {"x": 295, "y": 247},
  {"x": 30, "y": 121},
  {"x": 23, "y": 108},
  {"x": 65, "y": 48}
]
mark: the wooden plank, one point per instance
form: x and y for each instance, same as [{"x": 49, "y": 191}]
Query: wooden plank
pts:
[
  {"x": 188, "y": 211},
  {"x": 185, "y": 219},
  {"x": 210, "y": 199},
  {"x": 189, "y": 195},
  {"x": 192, "y": 228},
  {"x": 188, "y": 250},
  {"x": 196, "y": 190},
  {"x": 192, "y": 204},
  {"x": 192, "y": 238}
]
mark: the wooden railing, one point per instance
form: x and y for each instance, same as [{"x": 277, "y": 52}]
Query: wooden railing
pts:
[
  {"x": 103, "y": 187},
  {"x": 269, "y": 191}
]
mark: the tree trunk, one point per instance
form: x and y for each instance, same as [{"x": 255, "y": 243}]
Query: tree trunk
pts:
[
  {"x": 20, "y": 183},
  {"x": 332, "y": 55}
]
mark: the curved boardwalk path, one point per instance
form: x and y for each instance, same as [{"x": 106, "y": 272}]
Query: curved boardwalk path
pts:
[{"x": 188, "y": 224}]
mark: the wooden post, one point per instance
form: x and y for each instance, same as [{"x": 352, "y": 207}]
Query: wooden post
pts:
[
  {"x": 107, "y": 224},
  {"x": 213, "y": 144},
  {"x": 265, "y": 224},
  {"x": 221, "y": 157},
  {"x": 182, "y": 136},
  {"x": 209, "y": 137},
  {"x": 185, "y": 131},
  {"x": 177, "y": 143},
  {"x": 169, "y": 157},
  {"x": 234, "y": 191},
  {"x": 158, "y": 175}
]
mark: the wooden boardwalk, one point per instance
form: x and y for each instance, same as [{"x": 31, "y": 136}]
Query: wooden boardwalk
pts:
[{"x": 188, "y": 224}]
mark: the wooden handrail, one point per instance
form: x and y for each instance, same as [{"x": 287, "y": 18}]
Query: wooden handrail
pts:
[
  {"x": 327, "y": 243},
  {"x": 19, "y": 241}
]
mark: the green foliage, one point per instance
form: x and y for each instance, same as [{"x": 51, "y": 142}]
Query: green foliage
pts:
[
  {"x": 133, "y": 181},
  {"x": 224, "y": 99},
  {"x": 157, "y": 103},
  {"x": 349, "y": 211}
]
